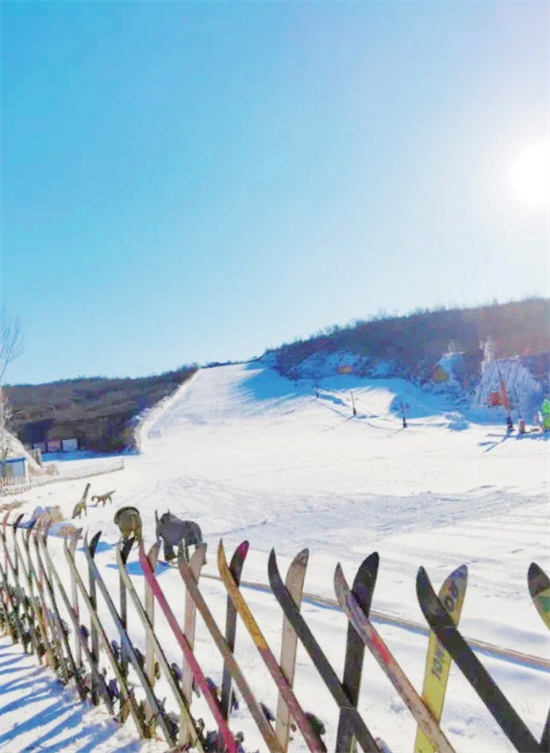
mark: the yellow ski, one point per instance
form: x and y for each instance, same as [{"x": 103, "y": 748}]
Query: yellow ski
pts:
[{"x": 438, "y": 661}]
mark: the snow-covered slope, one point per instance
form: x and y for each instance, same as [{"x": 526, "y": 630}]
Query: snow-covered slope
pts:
[{"x": 248, "y": 454}]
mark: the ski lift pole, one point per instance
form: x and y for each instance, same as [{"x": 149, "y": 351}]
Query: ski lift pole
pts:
[{"x": 403, "y": 414}]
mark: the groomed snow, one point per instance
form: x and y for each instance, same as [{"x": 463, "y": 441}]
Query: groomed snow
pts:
[{"x": 249, "y": 455}]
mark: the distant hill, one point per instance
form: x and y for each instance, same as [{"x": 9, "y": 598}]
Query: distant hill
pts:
[
  {"x": 99, "y": 412},
  {"x": 414, "y": 343}
]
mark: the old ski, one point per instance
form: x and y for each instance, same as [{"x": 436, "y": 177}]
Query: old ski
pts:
[
  {"x": 200, "y": 679},
  {"x": 388, "y": 663},
  {"x": 228, "y": 655},
  {"x": 236, "y": 567},
  {"x": 100, "y": 632},
  {"x": 362, "y": 589},
  {"x": 317, "y": 655},
  {"x": 498, "y": 705},
  {"x": 128, "y": 651},
  {"x": 76, "y": 626},
  {"x": 39, "y": 622},
  {"x": 40, "y": 536},
  {"x": 438, "y": 660},
  {"x": 124, "y": 553},
  {"x": 295, "y": 584},
  {"x": 312, "y": 740},
  {"x": 79, "y": 637},
  {"x": 196, "y": 740}
]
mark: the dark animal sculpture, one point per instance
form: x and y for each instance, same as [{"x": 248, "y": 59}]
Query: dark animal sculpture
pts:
[
  {"x": 128, "y": 520},
  {"x": 174, "y": 532}
]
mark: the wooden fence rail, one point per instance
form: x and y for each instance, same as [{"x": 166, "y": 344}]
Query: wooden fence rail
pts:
[{"x": 58, "y": 620}]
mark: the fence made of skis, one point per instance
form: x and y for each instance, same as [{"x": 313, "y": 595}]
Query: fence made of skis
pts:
[{"x": 110, "y": 644}]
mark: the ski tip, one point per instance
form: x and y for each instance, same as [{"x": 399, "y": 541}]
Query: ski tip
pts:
[
  {"x": 222, "y": 560},
  {"x": 94, "y": 542},
  {"x": 368, "y": 569},
  {"x": 125, "y": 548},
  {"x": 365, "y": 581},
  {"x": 339, "y": 577},
  {"x": 422, "y": 581},
  {"x": 18, "y": 519},
  {"x": 272, "y": 567},
  {"x": 301, "y": 558},
  {"x": 460, "y": 574},
  {"x": 242, "y": 550},
  {"x": 533, "y": 570},
  {"x": 427, "y": 597},
  {"x": 537, "y": 579}
]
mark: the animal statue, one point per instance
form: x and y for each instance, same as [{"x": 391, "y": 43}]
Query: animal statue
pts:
[
  {"x": 128, "y": 520},
  {"x": 173, "y": 531},
  {"x": 103, "y": 498},
  {"x": 81, "y": 507}
]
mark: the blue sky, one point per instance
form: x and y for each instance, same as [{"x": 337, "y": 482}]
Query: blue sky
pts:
[{"x": 201, "y": 181}]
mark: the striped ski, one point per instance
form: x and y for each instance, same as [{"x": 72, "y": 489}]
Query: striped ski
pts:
[
  {"x": 229, "y": 659},
  {"x": 494, "y": 699},
  {"x": 388, "y": 663},
  {"x": 196, "y": 740},
  {"x": 295, "y": 584},
  {"x": 313, "y": 742},
  {"x": 539, "y": 588},
  {"x": 362, "y": 589},
  {"x": 211, "y": 700},
  {"x": 328, "y": 675},
  {"x": 438, "y": 660}
]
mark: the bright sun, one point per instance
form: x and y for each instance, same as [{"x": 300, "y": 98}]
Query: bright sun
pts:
[{"x": 531, "y": 175}]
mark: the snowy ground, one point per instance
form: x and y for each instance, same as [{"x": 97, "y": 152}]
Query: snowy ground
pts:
[{"x": 249, "y": 455}]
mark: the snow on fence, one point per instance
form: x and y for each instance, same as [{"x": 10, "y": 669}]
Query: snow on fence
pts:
[
  {"x": 40, "y": 609},
  {"x": 16, "y": 486}
]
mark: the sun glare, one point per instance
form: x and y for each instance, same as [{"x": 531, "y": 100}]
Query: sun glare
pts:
[{"x": 531, "y": 175}]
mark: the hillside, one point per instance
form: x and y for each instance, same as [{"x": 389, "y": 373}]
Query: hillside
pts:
[
  {"x": 411, "y": 345},
  {"x": 99, "y": 412}
]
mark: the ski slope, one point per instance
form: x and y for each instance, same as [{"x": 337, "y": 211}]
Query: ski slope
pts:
[{"x": 250, "y": 455}]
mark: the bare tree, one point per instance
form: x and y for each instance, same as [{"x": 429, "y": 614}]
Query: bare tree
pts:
[
  {"x": 11, "y": 340},
  {"x": 11, "y": 347}
]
